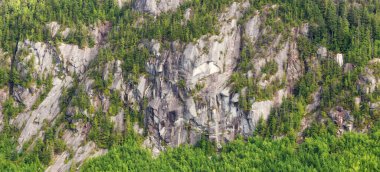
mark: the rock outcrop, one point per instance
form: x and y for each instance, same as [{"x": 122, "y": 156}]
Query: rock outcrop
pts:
[
  {"x": 173, "y": 115},
  {"x": 252, "y": 28},
  {"x": 339, "y": 59},
  {"x": 368, "y": 81},
  {"x": 189, "y": 91},
  {"x": 44, "y": 56},
  {"x": 322, "y": 52},
  {"x": 185, "y": 93},
  {"x": 77, "y": 59},
  {"x": 157, "y": 7},
  {"x": 60, "y": 63},
  {"x": 62, "y": 162},
  {"x": 342, "y": 119},
  {"x": 31, "y": 122},
  {"x": 53, "y": 28}
]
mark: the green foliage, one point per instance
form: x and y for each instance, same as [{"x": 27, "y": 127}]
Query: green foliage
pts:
[
  {"x": 375, "y": 96},
  {"x": 181, "y": 84},
  {"x": 26, "y": 20},
  {"x": 250, "y": 90},
  {"x": 352, "y": 151},
  {"x": 4, "y": 77},
  {"x": 375, "y": 68},
  {"x": 11, "y": 108},
  {"x": 305, "y": 47},
  {"x": 47, "y": 85},
  {"x": 11, "y": 160},
  {"x": 43, "y": 151},
  {"x": 102, "y": 131},
  {"x": 270, "y": 68},
  {"x": 115, "y": 103},
  {"x": 80, "y": 37},
  {"x": 307, "y": 85},
  {"x": 203, "y": 21},
  {"x": 132, "y": 27},
  {"x": 342, "y": 27},
  {"x": 285, "y": 119},
  {"x": 59, "y": 146},
  {"x": 80, "y": 99},
  {"x": 75, "y": 96}
]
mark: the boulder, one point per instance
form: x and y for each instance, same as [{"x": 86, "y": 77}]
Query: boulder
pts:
[
  {"x": 53, "y": 28},
  {"x": 322, "y": 52},
  {"x": 339, "y": 59},
  {"x": 342, "y": 118}
]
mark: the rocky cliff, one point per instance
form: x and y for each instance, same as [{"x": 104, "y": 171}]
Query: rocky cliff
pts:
[
  {"x": 187, "y": 90},
  {"x": 186, "y": 93}
]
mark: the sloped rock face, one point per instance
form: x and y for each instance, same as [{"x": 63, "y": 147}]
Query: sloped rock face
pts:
[
  {"x": 283, "y": 52},
  {"x": 60, "y": 63},
  {"x": 80, "y": 155},
  {"x": 46, "y": 111},
  {"x": 185, "y": 94},
  {"x": 41, "y": 61},
  {"x": 77, "y": 59},
  {"x": 252, "y": 30},
  {"x": 44, "y": 55},
  {"x": 156, "y": 7},
  {"x": 47, "y": 59},
  {"x": 368, "y": 81},
  {"x": 188, "y": 88},
  {"x": 189, "y": 91}
]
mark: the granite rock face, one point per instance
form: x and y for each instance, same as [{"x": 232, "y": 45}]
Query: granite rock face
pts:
[
  {"x": 368, "y": 81},
  {"x": 186, "y": 92},
  {"x": 253, "y": 28},
  {"x": 173, "y": 115},
  {"x": 42, "y": 61},
  {"x": 156, "y": 7},
  {"x": 188, "y": 85}
]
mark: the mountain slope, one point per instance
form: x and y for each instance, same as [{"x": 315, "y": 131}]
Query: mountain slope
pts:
[{"x": 80, "y": 78}]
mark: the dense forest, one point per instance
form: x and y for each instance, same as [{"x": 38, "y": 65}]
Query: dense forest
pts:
[
  {"x": 350, "y": 27},
  {"x": 320, "y": 152}
]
